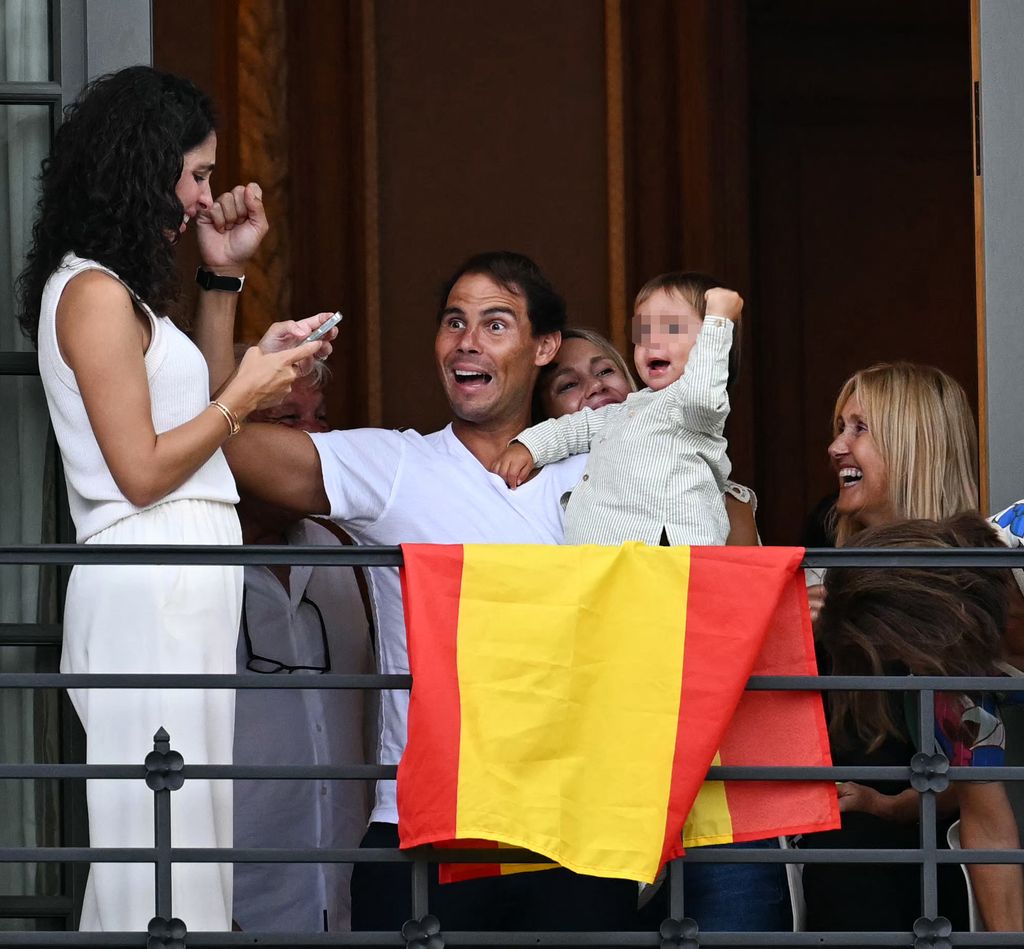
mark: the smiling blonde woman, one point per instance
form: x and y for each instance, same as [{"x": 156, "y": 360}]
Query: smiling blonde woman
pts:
[{"x": 905, "y": 445}]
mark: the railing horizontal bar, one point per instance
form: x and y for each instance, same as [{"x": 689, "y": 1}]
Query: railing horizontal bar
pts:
[
  {"x": 369, "y": 772},
  {"x": 30, "y": 634},
  {"x": 885, "y": 683},
  {"x": 97, "y": 680},
  {"x": 22, "y": 92},
  {"x": 18, "y": 364},
  {"x": 108, "y": 680},
  {"x": 483, "y": 855},
  {"x": 21, "y": 906},
  {"x": 353, "y": 772},
  {"x": 201, "y": 940},
  {"x": 392, "y": 556},
  {"x": 198, "y": 939},
  {"x": 197, "y": 554}
]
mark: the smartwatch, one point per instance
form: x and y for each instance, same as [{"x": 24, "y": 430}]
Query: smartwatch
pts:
[{"x": 208, "y": 280}]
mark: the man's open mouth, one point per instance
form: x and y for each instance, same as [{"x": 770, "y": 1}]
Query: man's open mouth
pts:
[{"x": 466, "y": 377}]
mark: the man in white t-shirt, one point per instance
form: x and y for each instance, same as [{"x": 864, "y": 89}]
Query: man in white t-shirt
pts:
[{"x": 499, "y": 322}]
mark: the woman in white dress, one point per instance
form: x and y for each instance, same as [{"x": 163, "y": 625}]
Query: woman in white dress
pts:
[{"x": 140, "y": 416}]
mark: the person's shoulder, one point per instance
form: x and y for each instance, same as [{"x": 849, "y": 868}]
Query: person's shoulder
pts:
[
  {"x": 366, "y": 436},
  {"x": 94, "y": 314},
  {"x": 1009, "y": 524},
  {"x": 376, "y": 449},
  {"x": 91, "y": 288}
]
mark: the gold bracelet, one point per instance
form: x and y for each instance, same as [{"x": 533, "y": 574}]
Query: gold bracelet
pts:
[{"x": 233, "y": 425}]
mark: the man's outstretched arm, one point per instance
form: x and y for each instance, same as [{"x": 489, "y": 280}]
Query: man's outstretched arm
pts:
[{"x": 278, "y": 465}]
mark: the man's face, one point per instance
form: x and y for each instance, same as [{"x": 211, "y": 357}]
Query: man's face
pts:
[{"x": 486, "y": 353}]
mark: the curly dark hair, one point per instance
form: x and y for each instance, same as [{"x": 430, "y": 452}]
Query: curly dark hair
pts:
[
  {"x": 941, "y": 622},
  {"x": 107, "y": 187}
]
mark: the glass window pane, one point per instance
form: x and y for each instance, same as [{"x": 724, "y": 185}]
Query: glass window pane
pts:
[
  {"x": 30, "y": 810},
  {"x": 24, "y": 143},
  {"x": 25, "y": 41},
  {"x": 27, "y": 496}
]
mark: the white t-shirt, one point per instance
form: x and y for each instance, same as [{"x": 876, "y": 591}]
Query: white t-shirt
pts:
[
  {"x": 179, "y": 389},
  {"x": 389, "y": 487},
  {"x": 318, "y": 620}
]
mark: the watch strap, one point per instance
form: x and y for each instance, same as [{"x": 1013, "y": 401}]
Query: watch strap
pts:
[{"x": 209, "y": 280}]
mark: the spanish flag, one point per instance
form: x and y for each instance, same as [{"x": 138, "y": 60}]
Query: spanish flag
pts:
[{"x": 569, "y": 700}]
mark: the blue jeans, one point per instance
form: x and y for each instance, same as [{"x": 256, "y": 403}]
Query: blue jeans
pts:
[
  {"x": 738, "y": 897},
  {"x": 730, "y": 897}
]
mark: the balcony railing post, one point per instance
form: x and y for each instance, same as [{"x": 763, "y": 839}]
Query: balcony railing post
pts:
[
  {"x": 928, "y": 776},
  {"x": 164, "y": 774},
  {"x": 678, "y": 929},
  {"x": 422, "y": 931}
]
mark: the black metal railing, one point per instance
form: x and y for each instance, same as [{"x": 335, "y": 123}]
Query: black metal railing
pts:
[{"x": 928, "y": 772}]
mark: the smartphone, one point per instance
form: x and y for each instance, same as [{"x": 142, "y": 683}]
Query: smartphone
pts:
[{"x": 323, "y": 329}]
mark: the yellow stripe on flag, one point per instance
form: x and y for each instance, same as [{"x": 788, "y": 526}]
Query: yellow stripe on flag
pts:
[
  {"x": 709, "y": 821},
  {"x": 565, "y": 674}
]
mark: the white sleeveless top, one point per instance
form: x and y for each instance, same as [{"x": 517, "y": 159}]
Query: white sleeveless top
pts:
[{"x": 179, "y": 389}]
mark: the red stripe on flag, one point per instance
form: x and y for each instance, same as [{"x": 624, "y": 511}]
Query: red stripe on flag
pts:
[
  {"x": 431, "y": 587},
  {"x": 722, "y": 644},
  {"x": 782, "y": 807}
]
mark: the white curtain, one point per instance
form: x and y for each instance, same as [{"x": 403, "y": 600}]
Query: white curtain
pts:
[{"x": 24, "y": 426}]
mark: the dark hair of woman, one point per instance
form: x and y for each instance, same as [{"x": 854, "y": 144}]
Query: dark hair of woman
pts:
[
  {"x": 943, "y": 622},
  {"x": 107, "y": 187}
]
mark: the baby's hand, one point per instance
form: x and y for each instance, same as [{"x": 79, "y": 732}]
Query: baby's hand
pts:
[
  {"x": 724, "y": 303},
  {"x": 514, "y": 465}
]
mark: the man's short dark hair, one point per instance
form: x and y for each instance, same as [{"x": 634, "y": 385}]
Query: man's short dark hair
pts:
[{"x": 517, "y": 274}]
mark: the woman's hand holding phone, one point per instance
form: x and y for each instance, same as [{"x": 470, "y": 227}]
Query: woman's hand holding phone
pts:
[
  {"x": 291, "y": 333},
  {"x": 264, "y": 379}
]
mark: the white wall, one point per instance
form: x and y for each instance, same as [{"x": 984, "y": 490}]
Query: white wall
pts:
[{"x": 1002, "y": 135}]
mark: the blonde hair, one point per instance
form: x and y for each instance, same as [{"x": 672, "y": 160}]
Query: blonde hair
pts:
[
  {"x": 540, "y": 408},
  {"x": 317, "y": 377},
  {"x": 922, "y": 424}
]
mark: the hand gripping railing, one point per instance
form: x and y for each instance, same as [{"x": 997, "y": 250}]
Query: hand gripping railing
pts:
[{"x": 164, "y": 771}]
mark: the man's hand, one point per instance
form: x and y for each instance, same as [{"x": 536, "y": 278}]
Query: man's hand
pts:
[
  {"x": 725, "y": 303},
  {"x": 514, "y": 465},
  {"x": 232, "y": 229}
]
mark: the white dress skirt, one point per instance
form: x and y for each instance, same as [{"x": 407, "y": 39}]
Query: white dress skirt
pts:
[{"x": 157, "y": 619}]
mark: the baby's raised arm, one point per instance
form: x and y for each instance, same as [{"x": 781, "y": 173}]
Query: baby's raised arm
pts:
[
  {"x": 700, "y": 394},
  {"x": 725, "y": 303}
]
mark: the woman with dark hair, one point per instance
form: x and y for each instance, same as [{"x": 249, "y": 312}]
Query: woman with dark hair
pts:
[
  {"x": 140, "y": 417},
  {"x": 942, "y": 622}
]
